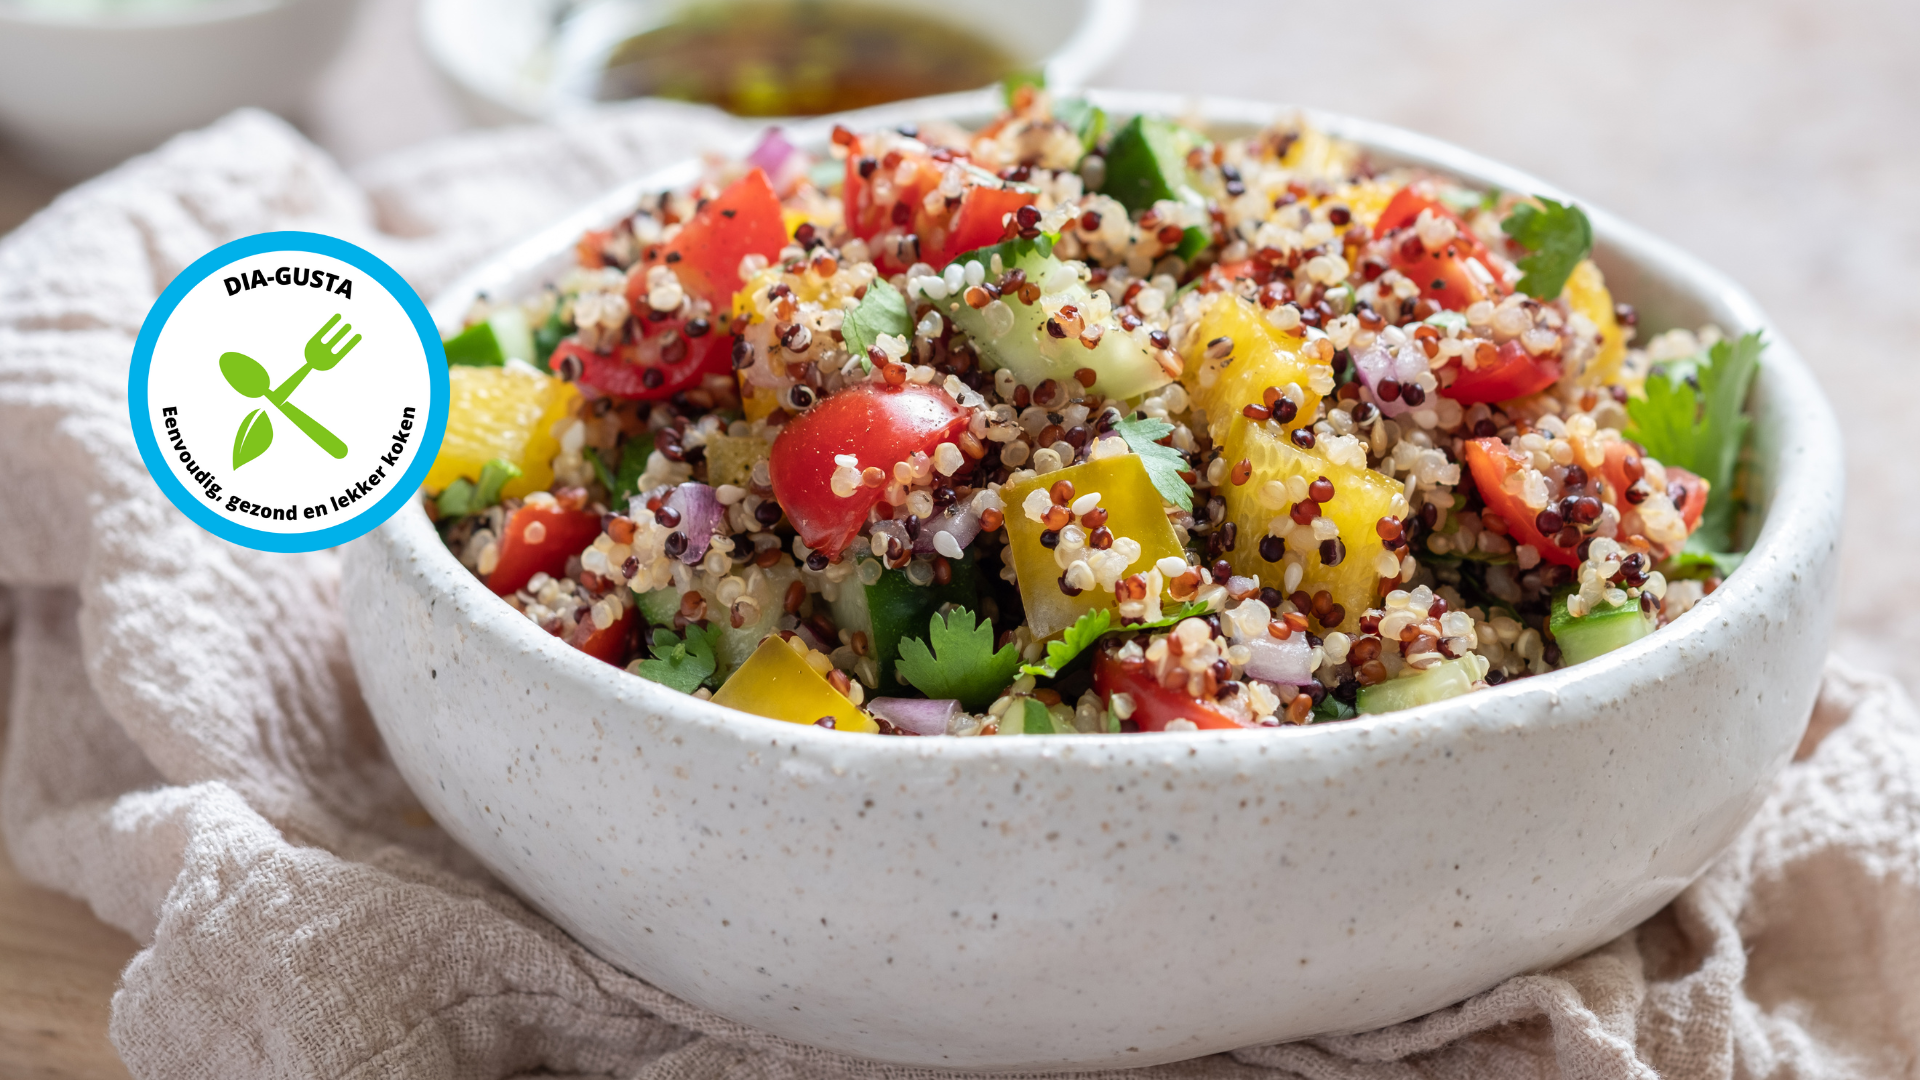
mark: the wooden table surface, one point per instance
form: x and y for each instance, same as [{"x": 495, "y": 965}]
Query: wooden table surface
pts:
[
  {"x": 58, "y": 969},
  {"x": 1772, "y": 137}
]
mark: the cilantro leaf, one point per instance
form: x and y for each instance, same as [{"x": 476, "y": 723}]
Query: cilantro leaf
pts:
[
  {"x": 882, "y": 311},
  {"x": 1332, "y": 708},
  {"x": 1164, "y": 463},
  {"x": 967, "y": 667},
  {"x": 463, "y": 496},
  {"x": 684, "y": 664},
  {"x": 1559, "y": 236},
  {"x": 1702, "y": 430},
  {"x": 1696, "y": 560},
  {"x": 1089, "y": 628},
  {"x": 1075, "y": 640},
  {"x": 622, "y": 481}
]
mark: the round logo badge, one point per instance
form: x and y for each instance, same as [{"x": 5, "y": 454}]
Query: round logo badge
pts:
[{"x": 288, "y": 391}]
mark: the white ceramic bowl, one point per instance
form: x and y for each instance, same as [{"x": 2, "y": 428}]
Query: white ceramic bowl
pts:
[
  {"x": 506, "y": 63},
  {"x": 1115, "y": 900},
  {"x": 81, "y": 93}
]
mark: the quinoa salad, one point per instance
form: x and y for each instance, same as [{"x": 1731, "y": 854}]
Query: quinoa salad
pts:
[{"x": 1086, "y": 424}]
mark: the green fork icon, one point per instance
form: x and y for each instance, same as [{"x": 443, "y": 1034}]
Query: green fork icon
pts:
[{"x": 249, "y": 379}]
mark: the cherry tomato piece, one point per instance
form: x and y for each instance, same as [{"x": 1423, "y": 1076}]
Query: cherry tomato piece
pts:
[
  {"x": 1445, "y": 276},
  {"x": 655, "y": 367},
  {"x": 978, "y": 220},
  {"x": 1692, "y": 490},
  {"x": 1689, "y": 494},
  {"x": 558, "y": 535},
  {"x": 743, "y": 220},
  {"x": 1621, "y": 468},
  {"x": 1491, "y": 461},
  {"x": 610, "y": 644},
  {"x": 1153, "y": 705},
  {"x": 1515, "y": 373},
  {"x": 880, "y": 426}
]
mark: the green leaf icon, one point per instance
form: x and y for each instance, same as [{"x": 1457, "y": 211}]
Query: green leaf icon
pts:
[{"x": 253, "y": 438}]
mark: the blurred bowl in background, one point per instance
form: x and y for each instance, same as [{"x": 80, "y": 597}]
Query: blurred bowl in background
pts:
[
  {"x": 516, "y": 60},
  {"x": 82, "y": 88}
]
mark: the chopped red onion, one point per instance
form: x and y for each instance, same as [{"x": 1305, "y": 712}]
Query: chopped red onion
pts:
[
  {"x": 958, "y": 521},
  {"x": 922, "y": 716},
  {"x": 1376, "y": 364},
  {"x": 1289, "y": 661},
  {"x": 894, "y": 529},
  {"x": 776, "y": 156},
  {"x": 812, "y": 640},
  {"x": 700, "y": 516}
]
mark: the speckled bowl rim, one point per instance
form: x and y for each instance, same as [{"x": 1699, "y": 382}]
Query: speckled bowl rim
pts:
[{"x": 1789, "y": 456}]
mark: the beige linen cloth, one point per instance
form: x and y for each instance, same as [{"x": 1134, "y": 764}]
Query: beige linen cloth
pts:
[{"x": 188, "y": 751}]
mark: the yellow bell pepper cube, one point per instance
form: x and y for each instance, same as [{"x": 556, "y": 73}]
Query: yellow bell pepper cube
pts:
[
  {"x": 1587, "y": 294},
  {"x": 730, "y": 459},
  {"x": 1361, "y": 497},
  {"x": 506, "y": 413},
  {"x": 1262, "y": 356},
  {"x": 1134, "y": 510},
  {"x": 1314, "y": 153},
  {"x": 777, "y": 683},
  {"x": 1366, "y": 199}
]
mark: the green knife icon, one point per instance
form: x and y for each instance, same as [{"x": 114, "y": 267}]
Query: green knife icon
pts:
[{"x": 249, "y": 379}]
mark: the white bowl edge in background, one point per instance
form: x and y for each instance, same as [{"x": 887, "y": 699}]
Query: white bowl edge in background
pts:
[
  {"x": 495, "y": 54},
  {"x": 80, "y": 94},
  {"x": 1111, "y": 900}
]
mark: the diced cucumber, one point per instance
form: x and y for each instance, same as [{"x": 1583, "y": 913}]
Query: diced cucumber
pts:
[
  {"x": 1601, "y": 630},
  {"x": 893, "y": 608},
  {"x": 1122, "y": 367},
  {"x": 659, "y": 606},
  {"x": 1147, "y": 162},
  {"x": 504, "y": 336},
  {"x": 1030, "y": 717},
  {"x": 1448, "y": 678},
  {"x": 546, "y": 338},
  {"x": 768, "y": 589}
]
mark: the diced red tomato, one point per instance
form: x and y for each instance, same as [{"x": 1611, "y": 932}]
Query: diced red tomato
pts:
[
  {"x": 610, "y": 644},
  {"x": 880, "y": 426},
  {"x": 1444, "y": 276},
  {"x": 976, "y": 222},
  {"x": 1689, "y": 494},
  {"x": 1491, "y": 461},
  {"x": 561, "y": 535},
  {"x": 1514, "y": 373},
  {"x": 980, "y": 221},
  {"x": 1622, "y": 467},
  {"x": 657, "y": 366},
  {"x": 742, "y": 220},
  {"x": 1620, "y": 470},
  {"x": 1153, "y": 704}
]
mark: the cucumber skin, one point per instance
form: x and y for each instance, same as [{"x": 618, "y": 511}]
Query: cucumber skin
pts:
[
  {"x": 1598, "y": 632},
  {"x": 492, "y": 343},
  {"x": 476, "y": 346},
  {"x": 1447, "y": 679},
  {"x": 1123, "y": 368},
  {"x": 894, "y": 608},
  {"x": 1146, "y": 163}
]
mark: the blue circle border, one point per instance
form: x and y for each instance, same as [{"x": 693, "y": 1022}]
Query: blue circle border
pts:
[{"x": 139, "y": 407}]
